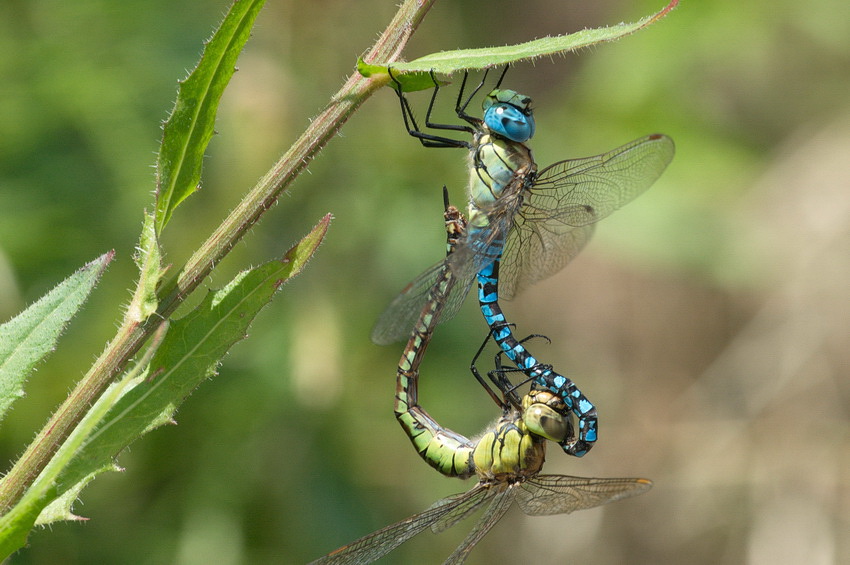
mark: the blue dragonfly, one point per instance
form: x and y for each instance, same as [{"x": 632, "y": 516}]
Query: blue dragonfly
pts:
[
  {"x": 506, "y": 459},
  {"x": 523, "y": 224}
]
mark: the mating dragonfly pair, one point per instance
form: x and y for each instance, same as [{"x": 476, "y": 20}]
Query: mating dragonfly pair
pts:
[{"x": 522, "y": 225}]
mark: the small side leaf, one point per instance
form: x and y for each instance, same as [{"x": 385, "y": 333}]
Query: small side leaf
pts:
[
  {"x": 190, "y": 126},
  {"x": 448, "y": 62},
  {"x": 42, "y": 503},
  {"x": 409, "y": 81},
  {"x": 149, "y": 261},
  {"x": 31, "y": 335}
]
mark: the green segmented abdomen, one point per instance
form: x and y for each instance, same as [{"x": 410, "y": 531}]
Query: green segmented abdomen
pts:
[{"x": 446, "y": 451}]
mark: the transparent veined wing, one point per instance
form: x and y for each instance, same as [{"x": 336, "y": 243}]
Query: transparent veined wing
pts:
[
  {"x": 566, "y": 198},
  {"x": 500, "y": 504},
  {"x": 474, "y": 498},
  {"x": 397, "y": 320},
  {"x": 546, "y": 495},
  {"x": 377, "y": 544},
  {"x": 470, "y": 255}
]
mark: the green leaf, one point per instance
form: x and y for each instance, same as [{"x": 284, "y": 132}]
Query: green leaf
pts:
[
  {"x": 448, "y": 62},
  {"x": 42, "y": 502},
  {"x": 189, "y": 353},
  {"x": 149, "y": 261},
  {"x": 31, "y": 335},
  {"x": 409, "y": 82},
  {"x": 15, "y": 526},
  {"x": 190, "y": 126}
]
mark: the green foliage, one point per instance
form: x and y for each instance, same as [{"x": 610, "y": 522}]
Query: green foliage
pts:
[
  {"x": 31, "y": 335},
  {"x": 189, "y": 128},
  {"x": 148, "y": 259},
  {"x": 410, "y": 81},
  {"x": 415, "y": 75},
  {"x": 190, "y": 352},
  {"x": 182, "y": 353}
]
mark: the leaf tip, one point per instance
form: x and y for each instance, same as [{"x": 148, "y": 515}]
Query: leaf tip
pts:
[
  {"x": 101, "y": 262},
  {"x": 321, "y": 228},
  {"x": 304, "y": 249},
  {"x": 71, "y": 517}
]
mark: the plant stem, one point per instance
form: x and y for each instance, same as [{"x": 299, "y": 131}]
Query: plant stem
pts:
[{"x": 131, "y": 336}]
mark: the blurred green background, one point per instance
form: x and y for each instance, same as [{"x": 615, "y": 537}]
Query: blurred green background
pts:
[{"x": 709, "y": 320}]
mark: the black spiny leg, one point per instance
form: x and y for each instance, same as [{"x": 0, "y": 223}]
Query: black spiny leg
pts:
[
  {"x": 504, "y": 402},
  {"x": 460, "y": 108},
  {"x": 461, "y": 105},
  {"x": 427, "y": 139},
  {"x": 502, "y": 382}
]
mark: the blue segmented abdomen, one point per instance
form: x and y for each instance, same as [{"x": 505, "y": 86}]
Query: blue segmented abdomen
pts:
[{"x": 543, "y": 375}]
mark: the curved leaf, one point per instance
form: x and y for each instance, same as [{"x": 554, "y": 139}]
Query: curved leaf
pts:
[
  {"x": 189, "y": 128},
  {"x": 448, "y": 62}
]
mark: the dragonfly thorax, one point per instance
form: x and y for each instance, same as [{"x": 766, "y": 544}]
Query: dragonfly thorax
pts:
[
  {"x": 508, "y": 114},
  {"x": 499, "y": 168},
  {"x": 509, "y": 451}
]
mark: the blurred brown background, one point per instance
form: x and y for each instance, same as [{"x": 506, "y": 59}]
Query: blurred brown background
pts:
[{"x": 708, "y": 320}]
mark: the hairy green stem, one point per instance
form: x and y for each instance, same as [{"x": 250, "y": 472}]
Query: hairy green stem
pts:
[{"x": 131, "y": 336}]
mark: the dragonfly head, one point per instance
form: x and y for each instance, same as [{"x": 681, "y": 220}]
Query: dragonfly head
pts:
[
  {"x": 546, "y": 415},
  {"x": 508, "y": 113}
]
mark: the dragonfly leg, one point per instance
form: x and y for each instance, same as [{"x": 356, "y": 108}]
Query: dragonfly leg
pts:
[
  {"x": 461, "y": 105},
  {"x": 450, "y": 127},
  {"x": 427, "y": 139},
  {"x": 499, "y": 377},
  {"x": 508, "y": 398},
  {"x": 502, "y": 76},
  {"x": 533, "y": 336}
]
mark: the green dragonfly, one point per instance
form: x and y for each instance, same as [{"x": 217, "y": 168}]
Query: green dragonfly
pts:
[{"x": 506, "y": 459}]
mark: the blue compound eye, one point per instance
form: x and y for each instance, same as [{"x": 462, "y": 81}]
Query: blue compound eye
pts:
[{"x": 509, "y": 121}]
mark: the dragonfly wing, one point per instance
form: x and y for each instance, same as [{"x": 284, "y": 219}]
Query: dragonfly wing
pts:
[
  {"x": 545, "y": 495},
  {"x": 500, "y": 504},
  {"x": 469, "y": 502},
  {"x": 534, "y": 252},
  {"x": 467, "y": 258},
  {"x": 569, "y": 196},
  {"x": 377, "y": 544},
  {"x": 397, "y": 321}
]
